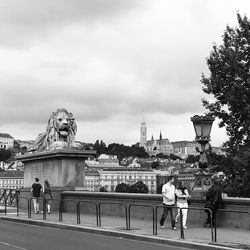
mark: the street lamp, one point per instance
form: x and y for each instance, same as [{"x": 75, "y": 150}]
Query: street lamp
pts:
[{"x": 202, "y": 127}]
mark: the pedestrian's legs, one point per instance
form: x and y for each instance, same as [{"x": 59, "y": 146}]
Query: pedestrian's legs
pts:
[
  {"x": 172, "y": 216},
  {"x": 36, "y": 205},
  {"x": 178, "y": 212},
  {"x": 184, "y": 214},
  {"x": 48, "y": 207},
  {"x": 164, "y": 215},
  {"x": 208, "y": 221}
]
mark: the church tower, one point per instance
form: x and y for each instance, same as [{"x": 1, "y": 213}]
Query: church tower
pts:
[{"x": 143, "y": 133}]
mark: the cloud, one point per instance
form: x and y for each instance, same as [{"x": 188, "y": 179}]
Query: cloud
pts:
[
  {"x": 106, "y": 62},
  {"x": 22, "y": 22}
]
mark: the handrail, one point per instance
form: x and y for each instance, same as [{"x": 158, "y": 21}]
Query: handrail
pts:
[
  {"x": 115, "y": 203},
  {"x": 141, "y": 205},
  {"x": 156, "y": 214},
  {"x": 27, "y": 199},
  {"x": 227, "y": 211},
  {"x": 197, "y": 208},
  {"x": 79, "y": 210},
  {"x": 61, "y": 212}
]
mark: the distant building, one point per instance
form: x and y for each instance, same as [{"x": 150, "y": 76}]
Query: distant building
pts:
[
  {"x": 104, "y": 161},
  {"x": 134, "y": 164},
  {"x": 185, "y": 148},
  {"x": 108, "y": 160},
  {"x": 110, "y": 178},
  {"x": 6, "y": 141},
  {"x": 154, "y": 146},
  {"x": 11, "y": 179},
  {"x": 92, "y": 180}
]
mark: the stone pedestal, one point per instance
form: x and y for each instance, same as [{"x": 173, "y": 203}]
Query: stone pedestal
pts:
[
  {"x": 202, "y": 183},
  {"x": 63, "y": 168}
]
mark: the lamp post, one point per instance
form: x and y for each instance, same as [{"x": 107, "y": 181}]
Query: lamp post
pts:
[{"x": 202, "y": 127}]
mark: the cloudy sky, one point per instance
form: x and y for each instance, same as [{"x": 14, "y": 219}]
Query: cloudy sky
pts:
[{"x": 107, "y": 62}]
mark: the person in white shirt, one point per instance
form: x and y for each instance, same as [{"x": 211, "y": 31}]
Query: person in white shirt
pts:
[
  {"x": 168, "y": 192},
  {"x": 182, "y": 202}
]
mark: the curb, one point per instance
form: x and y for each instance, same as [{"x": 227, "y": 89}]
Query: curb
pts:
[{"x": 125, "y": 235}]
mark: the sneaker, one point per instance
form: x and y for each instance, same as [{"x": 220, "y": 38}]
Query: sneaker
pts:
[
  {"x": 163, "y": 227},
  {"x": 174, "y": 228},
  {"x": 185, "y": 227}
]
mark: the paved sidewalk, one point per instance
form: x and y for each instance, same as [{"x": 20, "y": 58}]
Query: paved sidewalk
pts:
[{"x": 227, "y": 237}]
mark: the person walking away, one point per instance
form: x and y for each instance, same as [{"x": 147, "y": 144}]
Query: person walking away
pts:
[
  {"x": 47, "y": 196},
  {"x": 168, "y": 193},
  {"x": 182, "y": 196},
  {"x": 35, "y": 193},
  {"x": 213, "y": 200}
]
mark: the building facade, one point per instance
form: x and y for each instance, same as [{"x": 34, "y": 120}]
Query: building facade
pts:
[
  {"x": 6, "y": 141},
  {"x": 185, "y": 148},
  {"x": 154, "y": 146},
  {"x": 110, "y": 178},
  {"x": 92, "y": 180},
  {"x": 11, "y": 179}
]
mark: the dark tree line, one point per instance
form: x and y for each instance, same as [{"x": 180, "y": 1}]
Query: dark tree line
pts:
[
  {"x": 120, "y": 150},
  {"x": 138, "y": 187}
]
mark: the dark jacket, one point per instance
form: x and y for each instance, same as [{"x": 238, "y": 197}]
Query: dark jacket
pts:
[{"x": 214, "y": 197}]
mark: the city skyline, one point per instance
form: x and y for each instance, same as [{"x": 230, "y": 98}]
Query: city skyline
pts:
[{"x": 107, "y": 62}]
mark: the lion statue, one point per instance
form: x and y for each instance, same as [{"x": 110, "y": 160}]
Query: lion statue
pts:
[{"x": 60, "y": 132}]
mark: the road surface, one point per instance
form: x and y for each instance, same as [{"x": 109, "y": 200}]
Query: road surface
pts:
[{"x": 18, "y": 236}]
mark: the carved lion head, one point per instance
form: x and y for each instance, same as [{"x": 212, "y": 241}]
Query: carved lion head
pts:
[
  {"x": 61, "y": 126},
  {"x": 61, "y": 130}
]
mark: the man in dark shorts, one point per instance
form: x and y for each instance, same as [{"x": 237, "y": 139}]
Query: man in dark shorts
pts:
[{"x": 35, "y": 192}]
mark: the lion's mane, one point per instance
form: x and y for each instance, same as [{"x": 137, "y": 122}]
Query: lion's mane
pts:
[{"x": 53, "y": 138}]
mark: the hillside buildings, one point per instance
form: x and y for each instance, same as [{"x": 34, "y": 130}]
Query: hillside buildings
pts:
[
  {"x": 164, "y": 146},
  {"x": 154, "y": 146},
  {"x": 6, "y": 141},
  {"x": 111, "y": 177},
  {"x": 11, "y": 179}
]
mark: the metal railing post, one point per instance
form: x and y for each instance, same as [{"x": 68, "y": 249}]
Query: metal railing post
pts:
[
  {"x": 44, "y": 208},
  {"x": 181, "y": 222}
]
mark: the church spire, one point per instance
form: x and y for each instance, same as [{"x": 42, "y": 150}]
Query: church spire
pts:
[
  {"x": 143, "y": 132},
  {"x": 160, "y": 136}
]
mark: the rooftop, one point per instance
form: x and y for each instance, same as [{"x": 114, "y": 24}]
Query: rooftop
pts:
[
  {"x": 12, "y": 174},
  {"x": 5, "y": 135}
]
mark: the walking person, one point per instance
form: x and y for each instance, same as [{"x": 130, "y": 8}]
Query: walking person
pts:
[
  {"x": 35, "y": 192},
  {"x": 168, "y": 193},
  {"x": 182, "y": 196},
  {"x": 47, "y": 196},
  {"x": 213, "y": 200}
]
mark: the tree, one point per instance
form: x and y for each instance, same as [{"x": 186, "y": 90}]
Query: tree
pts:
[
  {"x": 103, "y": 189},
  {"x": 122, "y": 188},
  {"x": 229, "y": 85},
  {"x": 192, "y": 159},
  {"x": 155, "y": 164},
  {"x": 138, "y": 187},
  {"x": 5, "y": 154}
]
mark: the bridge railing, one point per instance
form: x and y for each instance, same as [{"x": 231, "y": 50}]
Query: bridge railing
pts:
[
  {"x": 226, "y": 211},
  {"x": 8, "y": 197}
]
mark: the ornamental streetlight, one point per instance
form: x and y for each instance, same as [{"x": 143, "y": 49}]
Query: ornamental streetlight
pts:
[{"x": 202, "y": 127}]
